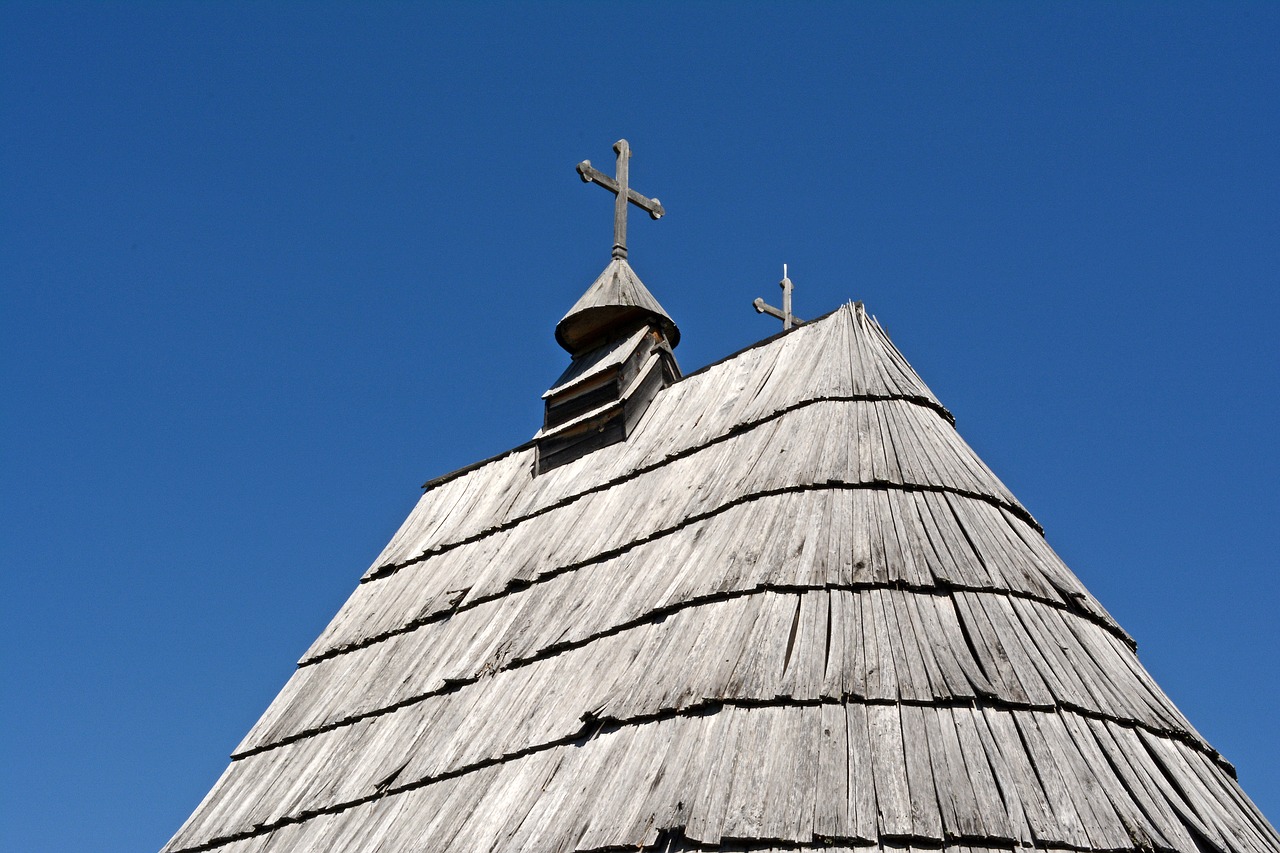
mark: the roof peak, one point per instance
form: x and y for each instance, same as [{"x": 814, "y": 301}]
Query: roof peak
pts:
[{"x": 617, "y": 302}]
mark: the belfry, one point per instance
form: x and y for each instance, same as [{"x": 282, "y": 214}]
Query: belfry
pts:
[{"x": 621, "y": 341}]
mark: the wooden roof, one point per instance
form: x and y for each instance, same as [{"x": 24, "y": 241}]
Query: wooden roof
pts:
[{"x": 793, "y": 610}]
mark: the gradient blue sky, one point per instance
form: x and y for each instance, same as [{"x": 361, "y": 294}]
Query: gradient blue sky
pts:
[{"x": 265, "y": 268}]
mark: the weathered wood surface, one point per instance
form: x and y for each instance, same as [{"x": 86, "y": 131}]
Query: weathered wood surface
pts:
[
  {"x": 729, "y": 649},
  {"x": 620, "y": 787},
  {"x": 813, "y": 618},
  {"x": 846, "y": 357},
  {"x": 617, "y": 296},
  {"x": 954, "y": 541},
  {"x": 767, "y": 646},
  {"x": 583, "y": 370}
]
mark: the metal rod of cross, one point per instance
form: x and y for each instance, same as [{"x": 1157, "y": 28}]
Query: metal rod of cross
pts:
[
  {"x": 788, "y": 319},
  {"x": 624, "y": 194}
]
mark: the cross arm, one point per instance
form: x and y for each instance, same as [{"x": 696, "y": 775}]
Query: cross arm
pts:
[
  {"x": 592, "y": 175},
  {"x": 763, "y": 307}
]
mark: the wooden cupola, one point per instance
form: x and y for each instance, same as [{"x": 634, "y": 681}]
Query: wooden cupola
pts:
[
  {"x": 620, "y": 338},
  {"x": 621, "y": 341}
]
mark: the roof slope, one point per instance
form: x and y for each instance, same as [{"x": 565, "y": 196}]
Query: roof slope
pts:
[{"x": 793, "y": 611}]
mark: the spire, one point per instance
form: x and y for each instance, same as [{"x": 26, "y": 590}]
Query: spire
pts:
[
  {"x": 621, "y": 341},
  {"x": 617, "y": 303}
]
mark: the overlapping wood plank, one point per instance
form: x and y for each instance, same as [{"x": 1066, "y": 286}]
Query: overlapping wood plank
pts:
[{"x": 581, "y": 785}]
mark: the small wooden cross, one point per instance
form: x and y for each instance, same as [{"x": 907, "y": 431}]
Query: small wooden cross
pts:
[
  {"x": 624, "y": 194},
  {"x": 788, "y": 319}
]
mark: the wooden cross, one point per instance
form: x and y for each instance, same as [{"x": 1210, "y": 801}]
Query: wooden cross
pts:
[
  {"x": 624, "y": 194},
  {"x": 788, "y": 319}
]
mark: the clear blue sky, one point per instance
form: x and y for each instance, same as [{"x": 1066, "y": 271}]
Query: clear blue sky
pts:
[{"x": 265, "y": 268}]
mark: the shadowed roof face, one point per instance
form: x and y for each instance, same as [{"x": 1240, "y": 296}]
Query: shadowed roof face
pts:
[
  {"x": 793, "y": 611},
  {"x": 617, "y": 299}
]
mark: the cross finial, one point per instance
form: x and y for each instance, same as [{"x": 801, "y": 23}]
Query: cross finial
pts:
[
  {"x": 788, "y": 319},
  {"x": 624, "y": 194}
]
